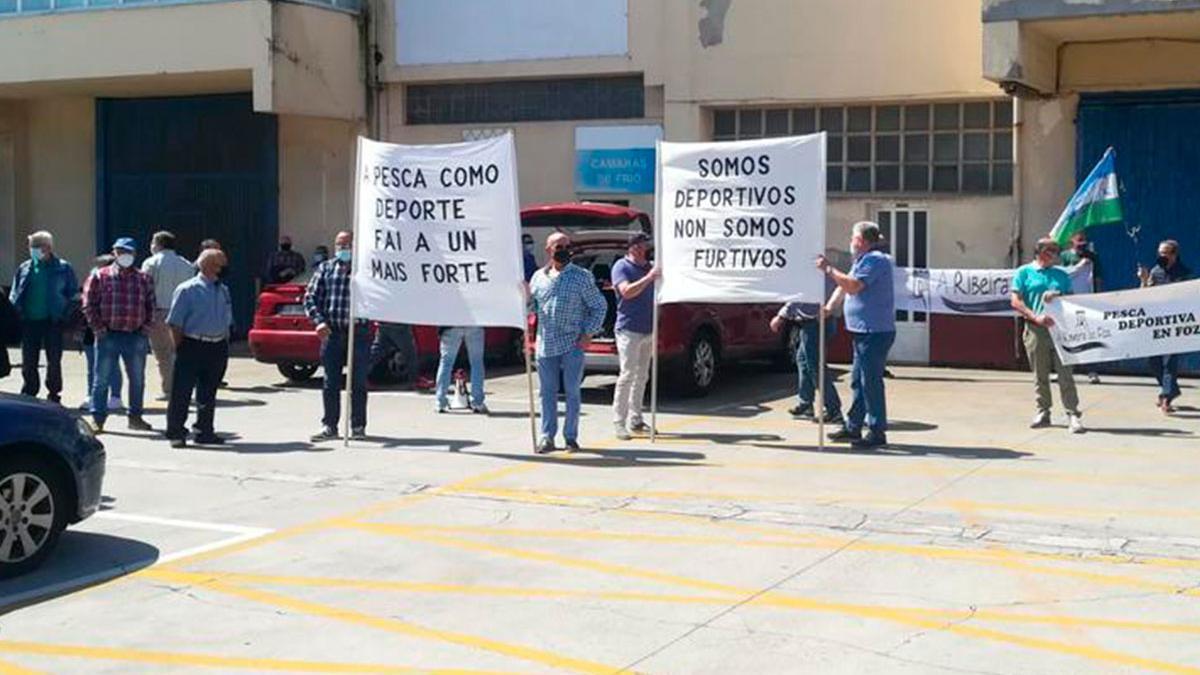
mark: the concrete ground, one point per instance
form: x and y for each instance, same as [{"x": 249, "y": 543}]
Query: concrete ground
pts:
[{"x": 973, "y": 544}]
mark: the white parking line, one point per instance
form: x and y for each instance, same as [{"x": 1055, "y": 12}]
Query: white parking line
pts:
[{"x": 186, "y": 524}]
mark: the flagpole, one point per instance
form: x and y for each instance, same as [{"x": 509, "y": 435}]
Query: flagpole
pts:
[
  {"x": 350, "y": 333},
  {"x": 654, "y": 291}
]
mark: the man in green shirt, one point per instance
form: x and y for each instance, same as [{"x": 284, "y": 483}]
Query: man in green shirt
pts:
[
  {"x": 44, "y": 293},
  {"x": 1033, "y": 286}
]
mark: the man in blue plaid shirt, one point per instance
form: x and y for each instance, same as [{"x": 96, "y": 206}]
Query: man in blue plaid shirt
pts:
[
  {"x": 327, "y": 303},
  {"x": 570, "y": 310}
]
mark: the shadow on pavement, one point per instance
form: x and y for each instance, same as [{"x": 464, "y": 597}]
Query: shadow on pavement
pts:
[
  {"x": 720, "y": 438},
  {"x": 606, "y": 459},
  {"x": 254, "y": 448},
  {"x": 1118, "y": 431},
  {"x": 82, "y": 559},
  {"x": 909, "y": 450},
  {"x": 449, "y": 444}
]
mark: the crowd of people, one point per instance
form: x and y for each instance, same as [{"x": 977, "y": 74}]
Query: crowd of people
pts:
[{"x": 181, "y": 312}]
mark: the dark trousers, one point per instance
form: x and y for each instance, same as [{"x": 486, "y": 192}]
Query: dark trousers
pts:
[
  {"x": 808, "y": 353},
  {"x": 37, "y": 336},
  {"x": 1166, "y": 373},
  {"x": 200, "y": 366},
  {"x": 392, "y": 338},
  {"x": 866, "y": 381},
  {"x": 333, "y": 360}
]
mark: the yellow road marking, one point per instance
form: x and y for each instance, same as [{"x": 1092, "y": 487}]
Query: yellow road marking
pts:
[
  {"x": 773, "y": 598},
  {"x": 161, "y": 658},
  {"x": 391, "y": 625},
  {"x": 720, "y": 599},
  {"x": 7, "y": 668}
]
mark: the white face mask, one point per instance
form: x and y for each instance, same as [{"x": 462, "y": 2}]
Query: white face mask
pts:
[
  {"x": 36, "y": 253},
  {"x": 125, "y": 259}
]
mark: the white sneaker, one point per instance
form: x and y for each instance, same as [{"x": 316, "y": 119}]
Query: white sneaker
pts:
[
  {"x": 114, "y": 402},
  {"x": 622, "y": 433},
  {"x": 1075, "y": 424},
  {"x": 1094, "y": 378},
  {"x": 442, "y": 407},
  {"x": 480, "y": 409},
  {"x": 1040, "y": 420}
]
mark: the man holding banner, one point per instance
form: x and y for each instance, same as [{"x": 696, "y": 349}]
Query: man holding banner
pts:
[
  {"x": 633, "y": 280},
  {"x": 1165, "y": 368},
  {"x": 1034, "y": 285},
  {"x": 870, "y": 314}
]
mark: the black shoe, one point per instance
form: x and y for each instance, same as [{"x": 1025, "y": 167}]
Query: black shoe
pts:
[
  {"x": 358, "y": 434},
  {"x": 572, "y": 446},
  {"x": 178, "y": 442},
  {"x": 801, "y": 411},
  {"x": 209, "y": 439},
  {"x": 844, "y": 435},
  {"x": 54, "y": 398},
  {"x": 546, "y": 446},
  {"x": 326, "y": 434},
  {"x": 832, "y": 418},
  {"x": 870, "y": 441},
  {"x": 136, "y": 423}
]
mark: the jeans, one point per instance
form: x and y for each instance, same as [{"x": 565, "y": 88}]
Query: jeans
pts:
[
  {"x": 570, "y": 366},
  {"x": 163, "y": 346},
  {"x": 116, "y": 382},
  {"x": 866, "y": 381},
  {"x": 111, "y": 349},
  {"x": 1043, "y": 359},
  {"x": 1166, "y": 372},
  {"x": 200, "y": 366},
  {"x": 633, "y": 352},
  {"x": 451, "y": 341},
  {"x": 396, "y": 337},
  {"x": 36, "y": 336},
  {"x": 808, "y": 356},
  {"x": 333, "y": 360}
]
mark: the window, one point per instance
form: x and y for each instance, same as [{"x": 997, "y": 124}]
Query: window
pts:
[
  {"x": 963, "y": 147},
  {"x": 593, "y": 98}
]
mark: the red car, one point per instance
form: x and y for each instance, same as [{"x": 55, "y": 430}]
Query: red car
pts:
[
  {"x": 284, "y": 335},
  {"x": 695, "y": 340}
]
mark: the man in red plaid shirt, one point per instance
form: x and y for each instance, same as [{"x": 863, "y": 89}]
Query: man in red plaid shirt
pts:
[{"x": 118, "y": 302}]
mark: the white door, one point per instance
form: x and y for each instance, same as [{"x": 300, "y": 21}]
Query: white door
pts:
[{"x": 907, "y": 230}]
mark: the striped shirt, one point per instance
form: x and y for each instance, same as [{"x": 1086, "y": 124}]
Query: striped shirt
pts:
[
  {"x": 119, "y": 300},
  {"x": 327, "y": 298},
  {"x": 568, "y": 306}
]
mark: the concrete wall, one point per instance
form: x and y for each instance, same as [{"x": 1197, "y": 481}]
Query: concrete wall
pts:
[
  {"x": 316, "y": 158},
  {"x": 316, "y": 63},
  {"x": 60, "y": 175},
  {"x": 1141, "y": 64},
  {"x": 12, "y": 191}
]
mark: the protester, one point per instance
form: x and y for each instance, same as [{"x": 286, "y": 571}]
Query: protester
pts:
[
  {"x": 451, "y": 339},
  {"x": 633, "y": 280},
  {"x": 391, "y": 338},
  {"x": 88, "y": 345},
  {"x": 200, "y": 319},
  {"x": 44, "y": 293},
  {"x": 213, "y": 244},
  {"x": 1075, "y": 259},
  {"x": 320, "y": 255},
  {"x": 528, "y": 259},
  {"x": 327, "y": 302},
  {"x": 870, "y": 315},
  {"x": 1034, "y": 285},
  {"x": 10, "y": 331},
  {"x": 167, "y": 269},
  {"x": 1168, "y": 269},
  {"x": 803, "y": 316},
  {"x": 285, "y": 264},
  {"x": 119, "y": 305},
  {"x": 570, "y": 310}
]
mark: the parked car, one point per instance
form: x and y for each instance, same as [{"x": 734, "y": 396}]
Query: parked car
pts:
[
  {"x": 283, "y": 335},
  {"x": 51, "y": 470},
  {"x": 695, "y": 340}
]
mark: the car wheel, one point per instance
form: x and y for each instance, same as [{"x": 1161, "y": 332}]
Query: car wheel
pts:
[
  {"x": 700, "y": 368},
  {"x": 297, "y": 372},
  {"x": 33, "y": 513}
]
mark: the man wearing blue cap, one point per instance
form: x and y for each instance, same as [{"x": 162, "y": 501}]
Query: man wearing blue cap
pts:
[{"x": 118, "y": 302}]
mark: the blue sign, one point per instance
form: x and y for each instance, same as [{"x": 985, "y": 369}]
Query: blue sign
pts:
[{"x": 627, "y": 171}]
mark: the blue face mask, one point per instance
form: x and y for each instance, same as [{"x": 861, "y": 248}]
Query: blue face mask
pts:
[
  {"x": 35, "y": 254},
  {"x": 344, "y": 254}
]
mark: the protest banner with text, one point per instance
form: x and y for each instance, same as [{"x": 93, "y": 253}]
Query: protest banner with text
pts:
[
  {"x": 1127, "y": 324},
  {"x": 977, "y": 292},
  {"x": 741, "y": 221},
  {"x": 437, "y": 238}
]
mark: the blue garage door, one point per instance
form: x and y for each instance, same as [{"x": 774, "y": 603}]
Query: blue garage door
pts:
[
  {"x": 1157, "y": 139},
  {"x": 202, "y": 167}
]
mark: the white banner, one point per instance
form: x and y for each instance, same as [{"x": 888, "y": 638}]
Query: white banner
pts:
[
  {"x": 437, "y": 234},
  {"x": 967, "y": 292},
  {"x": 741, "y": 221},
  {"x": 1127, "y": 324}
]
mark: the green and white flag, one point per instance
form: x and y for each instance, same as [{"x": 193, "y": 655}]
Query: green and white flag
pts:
[{"x": 1096, "y": 202}]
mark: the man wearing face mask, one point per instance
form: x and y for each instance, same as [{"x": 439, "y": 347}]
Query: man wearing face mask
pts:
[
  {"x": 327, "y": 302},
  {"x": 200, "y": 319},
  {"x": 1074, "y": 258},
  {"x": 570, "y": 310},
  {"x": 870, "y": 314},
  {"x": 284, "y": 264},
  {"x": 44, "y": 293},
  {"x": 1168, "y": 269},
  {"x": 167, "y": 269},
  {"x": 1033, "y": 286},
  {"x": 527, "y": 256},
  {"x": 119, "y": 302}
]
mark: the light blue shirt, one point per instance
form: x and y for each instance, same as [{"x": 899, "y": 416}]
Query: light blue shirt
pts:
[
  {"x": 568, "y": 306},
  {"x": 201, "y": 308},
  {"x": 873, "y": 309}
]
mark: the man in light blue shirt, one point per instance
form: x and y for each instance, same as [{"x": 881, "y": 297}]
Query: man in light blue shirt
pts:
[
  {"x": 200, "y": 318},
  {"x": 870, "y": 313},
  {"x": 570, "y": 310}
]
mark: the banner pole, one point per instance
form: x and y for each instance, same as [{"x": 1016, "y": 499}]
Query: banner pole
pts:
[
  {"x": 819, "y": 409},
  {"x": 654, "y": 378},
  {"x": 533, "y": 431},
  {"x": 349, "y": 382},
  {"x": 657, "y": 225}
]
